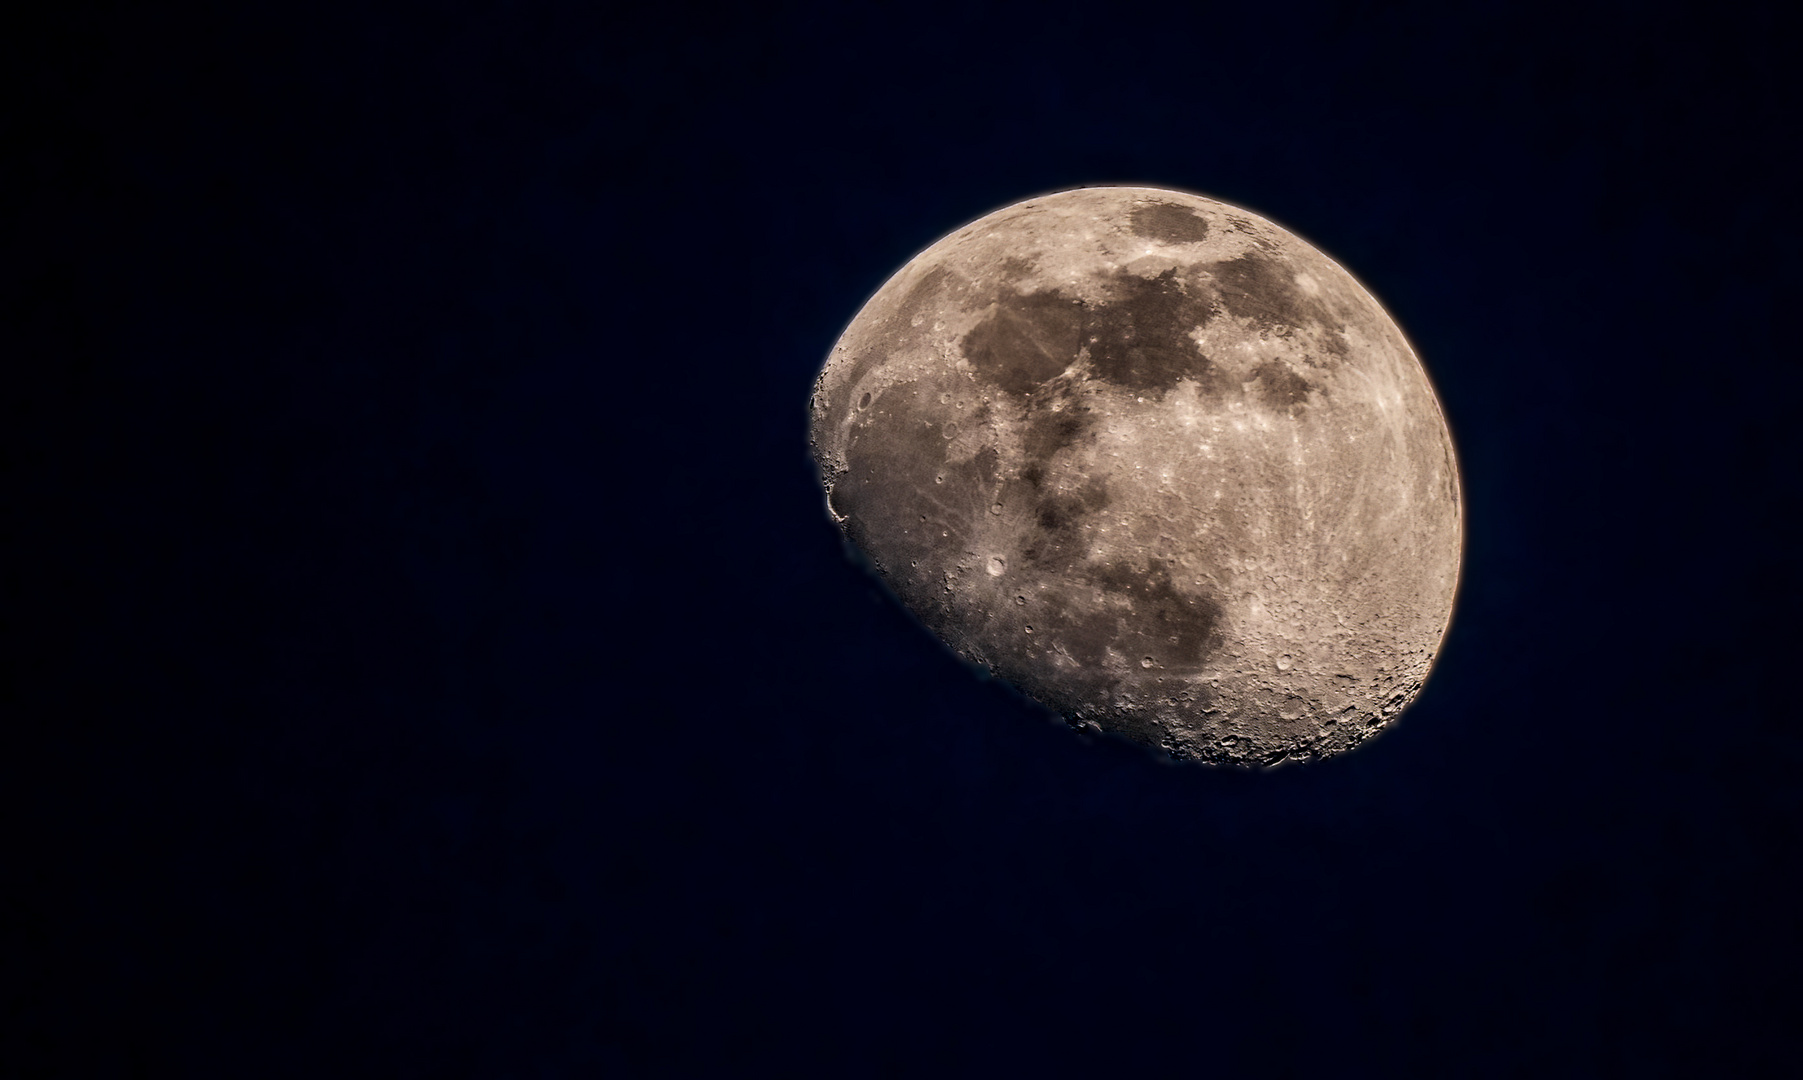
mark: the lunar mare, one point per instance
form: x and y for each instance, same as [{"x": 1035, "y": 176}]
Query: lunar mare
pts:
[{"x": 1158, "y": 463}]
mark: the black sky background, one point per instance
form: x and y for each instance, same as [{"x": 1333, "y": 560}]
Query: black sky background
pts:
[{"x": 432, "y": 656}]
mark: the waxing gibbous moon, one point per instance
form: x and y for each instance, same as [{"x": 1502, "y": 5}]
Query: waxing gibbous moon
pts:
[{"x": 1158, "y": 463}]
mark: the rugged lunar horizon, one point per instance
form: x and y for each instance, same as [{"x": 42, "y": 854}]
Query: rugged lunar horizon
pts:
[{"x": 1158, "y": 463}]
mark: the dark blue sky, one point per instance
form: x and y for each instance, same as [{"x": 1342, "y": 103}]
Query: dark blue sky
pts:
[{"x": 437, "y": 660}]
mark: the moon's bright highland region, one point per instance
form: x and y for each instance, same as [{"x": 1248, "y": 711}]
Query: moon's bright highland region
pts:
[{"x": 1158, "y": 463}]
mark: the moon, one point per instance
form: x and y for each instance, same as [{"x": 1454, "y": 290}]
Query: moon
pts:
[{"x": 1158, "y": 463}]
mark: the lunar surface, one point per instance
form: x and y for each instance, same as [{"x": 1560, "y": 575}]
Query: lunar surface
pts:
[{"x": 1158, "y": 463}]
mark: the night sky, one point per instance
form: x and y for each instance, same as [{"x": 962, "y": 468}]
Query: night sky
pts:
[{"x": 432, "y": 656}]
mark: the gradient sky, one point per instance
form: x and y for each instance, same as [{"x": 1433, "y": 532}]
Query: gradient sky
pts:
[{"x": 438, "y": 660}]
